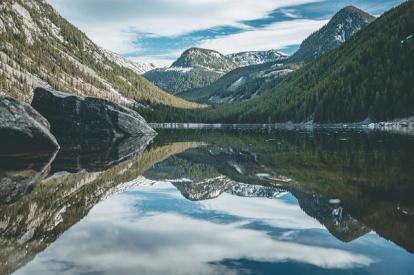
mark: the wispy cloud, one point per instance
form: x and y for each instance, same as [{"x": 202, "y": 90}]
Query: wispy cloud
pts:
[
  {"x": 114, "y": 24},
  {"x": 275, "y": 36}
]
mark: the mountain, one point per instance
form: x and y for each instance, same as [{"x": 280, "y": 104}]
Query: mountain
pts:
[
  {"x": 346, "y": 23},
  {"x": 40, "y": 48},
  {"x": 256, "y": 57},
  {"x": 370, "y": 77},
  {"x": 241, "y": 84},
  {"x": 195, "y": 68},
  {"x": 137, "y": 66},
  {"x": 203, "y": 58},
  {"x": 248, "y": 82}
]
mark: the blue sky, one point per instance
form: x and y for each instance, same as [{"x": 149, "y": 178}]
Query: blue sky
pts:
[{"x": 159, "y": 30}]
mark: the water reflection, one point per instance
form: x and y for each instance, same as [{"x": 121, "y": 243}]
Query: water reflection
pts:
[
  {"x": 215, "y": 202},
  {"x": 18, "y": 174},
  {"x": 156, "y": 231}
]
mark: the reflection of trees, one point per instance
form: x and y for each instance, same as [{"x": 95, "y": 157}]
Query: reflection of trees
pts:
[
  {"x": 55, "y": 204},
  {"x": 371, "y": 175}
]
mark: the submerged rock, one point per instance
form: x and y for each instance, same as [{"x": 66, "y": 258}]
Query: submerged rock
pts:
[
  {"x": 82, "y": 118},
  {"x": 23, "y": 130}
]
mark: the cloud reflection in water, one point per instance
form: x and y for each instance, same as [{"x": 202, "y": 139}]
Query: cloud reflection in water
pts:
[{"x": 129, "y": 234}]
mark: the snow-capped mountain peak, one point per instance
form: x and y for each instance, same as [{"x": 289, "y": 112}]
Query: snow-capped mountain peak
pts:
[
  {"x": 131, "y": 63},
  {"x": 206, "y": 59},
  {"x": 243, "y": 59}
]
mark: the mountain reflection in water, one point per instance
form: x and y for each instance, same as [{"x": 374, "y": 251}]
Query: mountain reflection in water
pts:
[{"x": 213, "y": 202}]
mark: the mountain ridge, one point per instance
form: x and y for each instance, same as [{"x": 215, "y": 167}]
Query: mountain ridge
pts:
[{"x": 249, "y": 58}]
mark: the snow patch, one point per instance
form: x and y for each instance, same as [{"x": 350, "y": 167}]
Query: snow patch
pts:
[
  {"x": 237, "y": 84},
  {"x": 137, "y": 67}
]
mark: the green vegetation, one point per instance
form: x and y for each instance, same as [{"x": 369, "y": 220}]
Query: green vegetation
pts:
[
  {"x": 241, "y": 84},
  {"x": 176, "y": 81}
]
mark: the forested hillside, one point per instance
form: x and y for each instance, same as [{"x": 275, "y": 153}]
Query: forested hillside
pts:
[
  {"x": 40, "y": 48},
  {"x": 241, "y": 84}
]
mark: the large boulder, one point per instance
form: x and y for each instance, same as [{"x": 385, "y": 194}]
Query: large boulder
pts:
[
  {"x": 74, "y": 117},
  {"x": 23, "y": 130}
]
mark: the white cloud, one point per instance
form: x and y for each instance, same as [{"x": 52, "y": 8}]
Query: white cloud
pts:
[
  {"x": 118, "y": 237},
  {"x": 113, "y": 24},
  {"x": 274, "y": 36}
]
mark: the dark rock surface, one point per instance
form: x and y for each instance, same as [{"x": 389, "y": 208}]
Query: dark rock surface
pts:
[
  {"x": 73, "y": 117},
  {"x": 23, "y": 130}
]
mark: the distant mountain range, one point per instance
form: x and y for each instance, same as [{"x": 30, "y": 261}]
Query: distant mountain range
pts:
[
  {"x": 257, "y": 57},
  {"x": 197, "y": 68},
  {"x": 40, "y": 48},
  {"x": 251, "y": 80}
]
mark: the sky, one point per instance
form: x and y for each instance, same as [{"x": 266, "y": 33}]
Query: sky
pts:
[{"x": 158, "y": 31}]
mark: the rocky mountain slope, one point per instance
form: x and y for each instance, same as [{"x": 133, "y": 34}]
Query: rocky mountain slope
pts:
[
  {"x": 203, "y": 58},
  {"x": 241, "y": 84},
  {"x": 137, "y": 66},
  {"x": 195, "y": 68},
  {"x": 346, "y": 23},
  {"x": 40, "y": 48},
  {"x": 257, "y": 57}
]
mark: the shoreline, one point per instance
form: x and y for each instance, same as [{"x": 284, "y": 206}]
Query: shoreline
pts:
[{"x": 400, "y": 126}]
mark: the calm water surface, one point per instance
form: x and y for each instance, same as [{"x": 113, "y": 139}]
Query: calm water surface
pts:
[{"x": 213, "y": 202}]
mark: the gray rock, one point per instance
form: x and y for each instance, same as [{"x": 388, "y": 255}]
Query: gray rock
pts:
[
  {"x": 23, "y": 130},
  {"x": 74, "y": 117}
]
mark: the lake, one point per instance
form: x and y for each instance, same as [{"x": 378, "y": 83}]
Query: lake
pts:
[{"x": 246, "y": 201}]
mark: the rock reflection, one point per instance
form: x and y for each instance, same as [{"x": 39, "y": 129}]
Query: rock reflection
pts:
[
  {"x": 19, "y": 174},
  {"x": 98, "y": 155}
]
